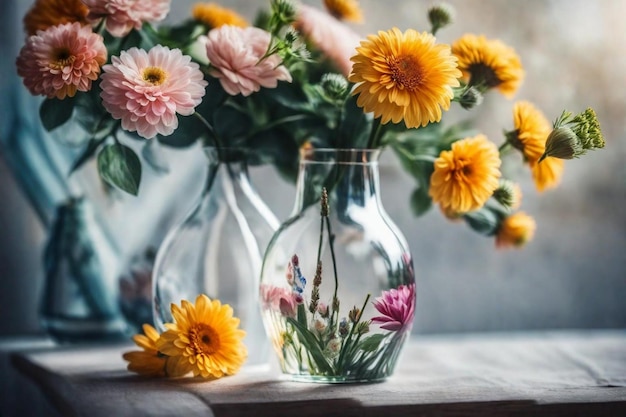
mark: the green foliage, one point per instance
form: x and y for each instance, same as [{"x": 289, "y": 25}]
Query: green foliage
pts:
[
  {"x": 54, "y": 112},
  {"x": 119, "y": 166}
]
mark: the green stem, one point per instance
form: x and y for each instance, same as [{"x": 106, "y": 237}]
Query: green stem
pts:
[
  {"x": 347, "y": 344},
  {"x": 278, "y": 122},
  {"x": 372, "y": 143},
  {"x": 332, "y": 254},
  {"x": 212, "y": 134}
]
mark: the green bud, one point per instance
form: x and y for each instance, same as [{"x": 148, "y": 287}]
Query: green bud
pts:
[
  {"x": 334, "y": 87},
  {"x": 470, "y": 98},
  {"x": 284, "y": 10},
  {"x": 562, "y": 143},
  {"x": 363, "y": 327},
  {"x": 572, "y": 137},
  {"x": 440, "y": 16},
  {"x": 506, "y": 194}
]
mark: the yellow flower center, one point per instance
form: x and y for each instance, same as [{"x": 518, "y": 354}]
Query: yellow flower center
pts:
[
  {"x": 154, "y": 75},
  {"x": 62, "y": 57},
  {"x": 406, "y": 72},
  {"x": 204, "y": 339}
]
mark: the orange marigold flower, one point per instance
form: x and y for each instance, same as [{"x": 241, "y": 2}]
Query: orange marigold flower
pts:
[
  {"x": 466, "y": 176},
  {"x": 214, "y": 15},
  {"x": 489, "y": 63},
  {"x": 46, "y": 13},
  {"x": 344, "y": 10},
  {"x": 515, "y": 230},
  {"x": 404, "y": 76}
]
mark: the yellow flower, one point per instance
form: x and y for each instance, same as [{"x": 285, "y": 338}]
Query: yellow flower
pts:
[
  {"x": 148, "y": 361},
  {"x": 515, "y": 230},
  {"x": 46, "y": 13},
  {"x": 466, "y": 176},
  {"x": 344, "y": 10},
  {"x": 547, "y": 173},
  {"x": 488, "y": 63},
  {"x": 204, "y": 339},
  {"x": 404, "y": 76},
  {"x": 214, "y": 16},
  {"x": 530, "y": 134},
  {"x": 531, "y": 130}
]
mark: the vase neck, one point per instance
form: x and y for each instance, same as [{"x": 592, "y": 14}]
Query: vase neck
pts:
[{"x": 350, "y": 176}]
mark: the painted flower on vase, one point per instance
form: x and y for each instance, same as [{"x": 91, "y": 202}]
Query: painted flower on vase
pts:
[
  {"x": 146, "y": 90},
  {"x": 61, "y": 60},
  {"x": 397, "y": 307}
]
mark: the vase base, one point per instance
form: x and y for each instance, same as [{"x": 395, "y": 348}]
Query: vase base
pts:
[
  {"x": 65, "y": 330},
  {"x": 321, "y": 379}
]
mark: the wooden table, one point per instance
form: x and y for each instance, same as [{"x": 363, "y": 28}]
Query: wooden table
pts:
[{"x": 503, "y": 374}]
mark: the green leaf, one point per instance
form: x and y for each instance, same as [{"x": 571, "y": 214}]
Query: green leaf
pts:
[
  {"x": 371, "y": 343},
  {"x": 420, "y": 201},
  {"x": 310, "y": 342},
  {"x": 119, "y": 166},
  {"x": 484, "y": 221},
  {"x": 54, "y": 112},
  {"x": 190, "y": 128}
]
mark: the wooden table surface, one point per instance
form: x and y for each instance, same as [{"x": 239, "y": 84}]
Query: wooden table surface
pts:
[{"x": 502, "y": 374}]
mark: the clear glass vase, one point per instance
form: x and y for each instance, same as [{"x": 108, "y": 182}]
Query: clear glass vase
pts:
[
  {"x": 337, "y": 283},
  {"x": 217, "y": 250}
]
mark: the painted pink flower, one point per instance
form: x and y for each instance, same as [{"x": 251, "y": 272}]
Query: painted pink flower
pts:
[
  {"x": 124, "y": 15},
  {"x": 146, "y": 90},
  {"x": 397, "y": 307},
  {"x": 278, "y": 299},
  {"x": 235, "y": 55},
  {"x": 61, "y": 60},
  {"x": 333, "y": 38}
]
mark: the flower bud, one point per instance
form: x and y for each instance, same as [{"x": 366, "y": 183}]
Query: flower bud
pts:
[
  {"x": 574, "y": 136},
  {"x": 334, "y": 87},
  {"x": 562, "y": 143},
  {"x": 470, "y": 98},
  {"x": 354, "y": 315},
  {"x": 440, "y": 16},
  {"x": 344, "y": 328},
  {"x": 508, "y": 194}
]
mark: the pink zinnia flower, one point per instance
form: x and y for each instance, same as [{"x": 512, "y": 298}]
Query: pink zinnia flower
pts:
[
  {"x": 235, "y": 55},
  {"x": 60, "y": 60},
  {"x": 124, "y": 15},
  {"x": 397, "y": 307},
  {"x": 145, "y": 90},
  {"x": 334, "y": 39}
]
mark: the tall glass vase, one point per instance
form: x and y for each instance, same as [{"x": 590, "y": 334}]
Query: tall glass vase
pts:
[
  {"x": 337, "y": 284},
  {"x": 217, "y": 250}
]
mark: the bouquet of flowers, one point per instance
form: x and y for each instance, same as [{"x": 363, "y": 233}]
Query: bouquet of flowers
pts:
[{"x": 298, "y": 77}]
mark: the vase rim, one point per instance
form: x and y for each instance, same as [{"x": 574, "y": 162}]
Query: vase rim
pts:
[{"x": 346, "y": 156}]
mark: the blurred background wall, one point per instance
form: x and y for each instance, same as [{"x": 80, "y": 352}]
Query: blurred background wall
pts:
[{"x": 572, "y": 275}]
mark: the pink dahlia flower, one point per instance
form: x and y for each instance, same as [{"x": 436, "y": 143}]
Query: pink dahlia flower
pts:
[
  {"x": 397, "y": 307},
  {"x": 235, "y": 55},
  {"x": 60, "y": 60},
  {"x": 145, "y": 90},
  {"x": 334, "y": 39},
  {"x": 124, "y": 15}
]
